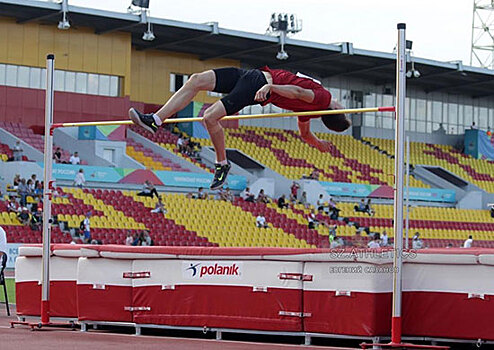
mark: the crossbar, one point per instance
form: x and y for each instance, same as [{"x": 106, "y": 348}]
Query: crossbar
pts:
[{"x": 234, "y": 117}]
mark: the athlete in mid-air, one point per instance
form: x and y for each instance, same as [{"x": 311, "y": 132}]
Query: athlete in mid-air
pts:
[{"x": 246, "y": 87}]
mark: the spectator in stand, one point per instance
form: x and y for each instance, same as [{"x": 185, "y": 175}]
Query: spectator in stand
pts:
[
  {"x": 332, "y": 231},
  {"x": 489, "y": 132},
  {"x": 24, "y": 216},
  {"x": 473, "y": 126},
  {"x": 320, "y": 202},
  {"x": 314, "y": 175},
  {"x": 226, "y": 195},
  {"x": 159, "y": 208},
  {"x": 491, "y": 205},
  {"x": 36, "y": 220},
  {"x": 30, "y": 187},
  {"x": 57, "y": 155},
  {"x": 384, "y": 239},
  {"x": 468, "y": 243},
  {"x": 38, "y": 191},
  {"x": 282, "y": 204},
  {"x": 16, "y": 181},
  {"x": 23, "y": 191},
  {"x": 374, "y": 242},
  {"x": 312, "y": 221},
  {"x": 17, "y": 151},
  {"x": 181, "y": 144},
  {"x": 417, "y": 242},
  {"x": 294, "y": 192},
  {"x": 320, "y": 217},
  {"x": 148, "y": 190},
  {"x": 303, "y": 200},
  {"x": 337, "y": 243},
  {"x": 145, "y": 239},
  {"x": 12, "y": 206},
  {"x": 74, "y": 159},
  {"x": 201, "y": 194},
  {"x": 369, "y": 209},
  {"x": 80, "y": 180},
  {"x": 87, "y": 228},
  {"x": 129, "y": 239},
  {"x": 247, "y": 196},
  {"x": 262, "y": 198},
  {"x": 261, "y": 221},
  {"x": 361, "y": 207}
]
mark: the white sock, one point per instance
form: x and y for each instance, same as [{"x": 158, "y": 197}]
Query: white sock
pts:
[
  {"x": 223, "y": 162},
  {"x": 157, "y": 119}
]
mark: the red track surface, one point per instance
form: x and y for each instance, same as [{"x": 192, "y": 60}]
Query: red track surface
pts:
[{"x": 59, "y": 338}]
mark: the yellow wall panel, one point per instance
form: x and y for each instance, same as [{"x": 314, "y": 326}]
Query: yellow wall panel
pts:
[
  {"x": 46, "y": 45},
  {"x": 15, "y": 36},
  {"x": 76, "y": 46},
  {"x": 61, "y": 49},
  {"x": 30, "y": 45}
]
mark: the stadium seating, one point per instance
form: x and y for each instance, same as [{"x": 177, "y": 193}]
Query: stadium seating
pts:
[
  {"x": 479, "y": 172},
  {"x": 167, "y": 140},
  {"x": 35, "y": 140},
  {"x": 284, "y": 152},
  {"x": 5, "y": 152},
  {"x": 114, "y": 213},
  {"x": 150, "y": 159}
]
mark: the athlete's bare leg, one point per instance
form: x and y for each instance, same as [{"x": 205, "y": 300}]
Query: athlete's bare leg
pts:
[
  {"x": 212, "y": 117},
  {"x": 204, "y": 81}
]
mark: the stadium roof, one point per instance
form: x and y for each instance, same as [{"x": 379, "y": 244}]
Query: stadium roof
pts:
[{"x": 209, "y": 41}]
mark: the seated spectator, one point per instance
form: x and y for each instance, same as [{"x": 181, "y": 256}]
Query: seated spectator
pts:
[
  {"x": 337, "y": 242},
  {"x": 320, "y": 217},
  {"x": 384, "y": 239},
  {"x": 38, "y": 191},
  {"x": 314, "y": 175},
  {"x": 129, "y": 239},
  {"x": 262, "y": 198},
  {"x": 282, "y": 204},
  {"x": 36, "y": 220},
  {"x": 417, "y": 242},
  {"x": 181, "y": 144},
  {"x": 491, "y": 206},
  {"x": 146, "y": 239},
  {"x": 16, "y": 181},
  {"x": 361, "y": 207},
  {"x": 312, "y": 221},
  {"x": 80, "y": 180},
  {"x": 261, "y": 221},
  {"x": 86, "y": 228},
  {"x": 303, "y": 200},
  {"x": 24, "y": 216},
  {"x": 226, "y": 195},
  {"x": 247, "y": 196},
  {"x": 332, "y": 231},
  {"x": 374, "y": 242},
  {"x": 159, "y": 208},
  {"x": 17, "y": 151},
  {"x": 201, "y": 194},
  {"x": 320, "y": 203},
  {"x": 57, "y": 155},
  {"x": 74, "y": 159},
  {"x": 30, "y": 187},
  {"x": 148, "y": 190},
  {"x": 468, "y": 242},
  {"x": 12, "y": 206},
  {"x": 294, "y": 192}
]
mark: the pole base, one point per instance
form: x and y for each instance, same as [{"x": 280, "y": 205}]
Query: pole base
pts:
[
  {"x": 40, "y": 325},
  {"x": 402, "y": 346}
]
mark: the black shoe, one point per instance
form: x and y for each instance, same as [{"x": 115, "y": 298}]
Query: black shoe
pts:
[
  {"x": 220, "y": 175},
  {"x": 144, "y": 120}
]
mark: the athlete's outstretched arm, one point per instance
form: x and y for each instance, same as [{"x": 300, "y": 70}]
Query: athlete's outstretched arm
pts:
[
  {"x": 288, "y": 91},
  {"x": 310, "y": 138}
]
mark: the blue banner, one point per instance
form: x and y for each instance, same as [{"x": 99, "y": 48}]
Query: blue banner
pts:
[
  {"x": 91, "y": 173},
  {"x": 12, "y": 252},
  {"x": 180, "y": 179},
  {"x": 379, "y": 191}
]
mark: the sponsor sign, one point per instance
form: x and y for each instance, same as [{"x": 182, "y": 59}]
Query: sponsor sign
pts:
[
  {"x": 182, "y": 179},
  {"x": 211, "y": 270}
]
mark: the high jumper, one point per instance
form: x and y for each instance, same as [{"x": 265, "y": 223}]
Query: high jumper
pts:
[{"x": 245, "y": 87}]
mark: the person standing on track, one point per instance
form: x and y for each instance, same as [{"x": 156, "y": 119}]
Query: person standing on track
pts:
[{"x": 246, "y": 87}]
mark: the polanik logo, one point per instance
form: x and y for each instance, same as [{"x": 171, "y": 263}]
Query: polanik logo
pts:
[{"x": 211, "y": 270}]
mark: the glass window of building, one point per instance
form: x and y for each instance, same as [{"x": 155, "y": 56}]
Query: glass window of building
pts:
[
  {"x": 81, "y": 82},
  {"x": 59, "y": 80},
  {"x": 114, "y": 86},
  {"x": 11, "y": 76},
  {"x": 35, "y": 78},
  {"x": 2, "y": 74},
  {"x": 92, "y": 84},
  {"x": 23, "y": 76},
  {"x": 70, "y": 81},
  {"x": 104, "y": 85}
]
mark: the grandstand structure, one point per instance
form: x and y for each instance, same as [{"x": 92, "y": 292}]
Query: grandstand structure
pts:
[{"x": 103, "y": 67}]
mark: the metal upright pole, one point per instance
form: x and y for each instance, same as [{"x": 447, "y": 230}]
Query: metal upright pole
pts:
[
  {"x": 398, "y": 190},
  {"x": 408, "y": 194},
  {"x": 45, "y": 278}
]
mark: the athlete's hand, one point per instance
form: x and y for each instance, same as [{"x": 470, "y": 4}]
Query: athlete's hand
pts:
[
  {"x": 323, "y": 146},
  {"x": 262, "y": 93}
]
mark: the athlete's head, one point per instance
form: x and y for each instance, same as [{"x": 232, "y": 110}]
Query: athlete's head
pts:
[{"x": 336, "y": 122}]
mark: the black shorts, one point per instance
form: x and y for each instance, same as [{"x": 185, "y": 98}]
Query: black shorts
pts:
[{"x": 241, "y": 86}]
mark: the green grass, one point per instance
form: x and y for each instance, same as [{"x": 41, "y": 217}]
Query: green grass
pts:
[{"x": 10, "y": 282}]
